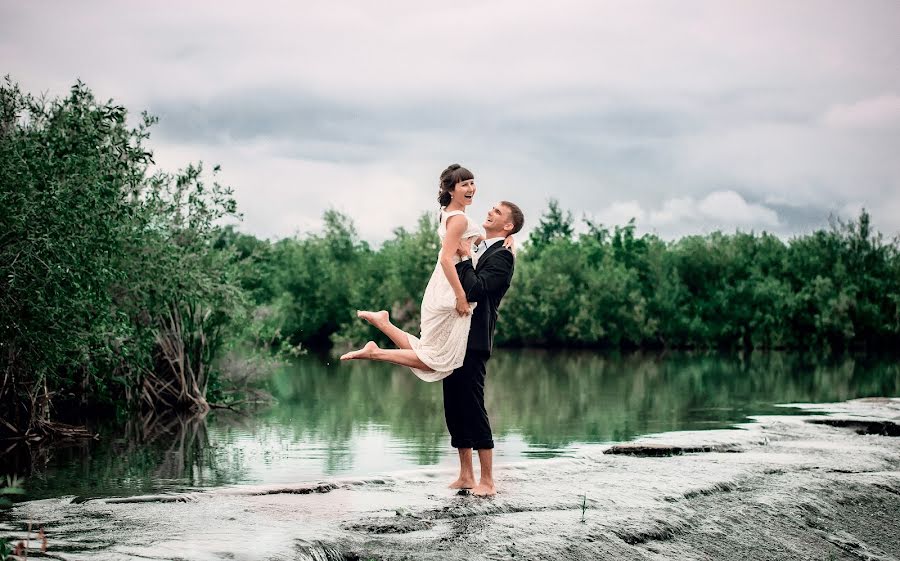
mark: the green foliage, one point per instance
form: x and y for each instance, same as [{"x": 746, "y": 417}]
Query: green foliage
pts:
[
  {"x": 306, "y": 285},
  {"x": 307, "y": 289},
  {"x": 394, "y": 279},
  {"x": 554, "y": 225},
  {"x": 835, "y": 289},
  {"x": 12, "y": 487},
  {"x": 96, "y": 254},
  {"x": 604, "y": 287}
]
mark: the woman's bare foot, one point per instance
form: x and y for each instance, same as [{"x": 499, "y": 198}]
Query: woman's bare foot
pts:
[
  {"x": 366, "y": 352},
  {"x": 375, "y": 318},
  {"x": 484, "y": 489},
  {"x": 463, "y": 483}
]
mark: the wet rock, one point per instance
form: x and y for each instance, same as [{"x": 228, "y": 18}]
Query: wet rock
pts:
[
  {"x": 652, "y": 450},
  {"x": 890, "y": 488},
  {"x": 305, "y": 550},
  {"x": 396, "y": 525},
  {"x": 297, "y": 490},
  {"x": 82, "y": 499},
  {"x": 178, "y": 498},
  {"x": 720, "y": 487},
  {"x": 187, "y": 497},
  {"x": 656, "y": 530},
  {"x": 861, "y": 426}
]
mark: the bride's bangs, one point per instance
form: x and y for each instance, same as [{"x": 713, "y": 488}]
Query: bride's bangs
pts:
[{"x": 462, "y": 174}]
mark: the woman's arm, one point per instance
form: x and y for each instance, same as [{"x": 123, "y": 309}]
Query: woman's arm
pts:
[{"x": 456, "y": 225}]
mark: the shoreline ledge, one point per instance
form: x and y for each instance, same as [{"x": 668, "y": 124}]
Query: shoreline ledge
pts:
[{"x": 823, "y": 485}]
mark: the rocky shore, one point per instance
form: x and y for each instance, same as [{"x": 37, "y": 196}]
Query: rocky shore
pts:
[{"x": 819, "y": 487}]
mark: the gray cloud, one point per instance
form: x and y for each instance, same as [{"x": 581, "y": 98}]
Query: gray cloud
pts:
[{"x": 677, "y": 112}]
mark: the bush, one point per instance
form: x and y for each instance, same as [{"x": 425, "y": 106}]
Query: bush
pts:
[{"x": 110, "y": 289}]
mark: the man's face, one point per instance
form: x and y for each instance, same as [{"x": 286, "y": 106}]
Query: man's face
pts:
[{"x": 497, "y": 218}]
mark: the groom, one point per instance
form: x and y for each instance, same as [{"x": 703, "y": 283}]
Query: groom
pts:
[{"x": 485, "y": 276}]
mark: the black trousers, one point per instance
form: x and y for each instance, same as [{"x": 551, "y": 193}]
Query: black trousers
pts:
[{"x": 467, "y": 419}]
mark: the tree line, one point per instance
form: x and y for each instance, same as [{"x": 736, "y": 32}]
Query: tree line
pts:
[{"x": 835, "y": 289}]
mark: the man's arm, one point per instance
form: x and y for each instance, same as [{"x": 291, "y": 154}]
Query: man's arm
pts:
[{"x": 493, "y": 275}]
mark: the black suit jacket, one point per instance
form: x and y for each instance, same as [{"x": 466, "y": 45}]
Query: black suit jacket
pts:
[{"x": 486, "y": 285}]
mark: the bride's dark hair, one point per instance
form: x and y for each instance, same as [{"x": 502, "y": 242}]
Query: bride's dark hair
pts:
[{"x": 449, "y": 178}]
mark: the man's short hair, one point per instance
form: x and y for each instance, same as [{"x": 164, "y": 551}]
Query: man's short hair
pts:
[{"x": 515, "y": 215}]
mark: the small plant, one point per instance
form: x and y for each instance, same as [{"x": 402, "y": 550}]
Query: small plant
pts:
[
  {"x": 13, "y": 487},
  {"x": 9, "y": 552},
  {"x": 8, "y": 546},
  {"x": 583, "y": 507}
]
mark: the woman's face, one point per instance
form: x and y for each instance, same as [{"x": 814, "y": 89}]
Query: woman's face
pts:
[{"x": 464, "y": 192}]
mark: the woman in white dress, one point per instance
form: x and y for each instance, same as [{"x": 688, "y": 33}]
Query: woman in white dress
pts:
[{"x": 446, "y": 314}]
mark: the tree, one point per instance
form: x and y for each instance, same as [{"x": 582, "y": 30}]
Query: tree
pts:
[
  {"x": 109, "y": 288},
  {"x": 554, "y": 224}
]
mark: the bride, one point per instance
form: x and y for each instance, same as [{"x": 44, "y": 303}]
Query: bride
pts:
[{"x": 446, "y": 314}]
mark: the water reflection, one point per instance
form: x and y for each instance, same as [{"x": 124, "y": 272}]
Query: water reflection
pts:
[
  {"x": 561, "y": 398},
  {"x": 363, "y": 419},
  {"x": 142, "y": 455}
]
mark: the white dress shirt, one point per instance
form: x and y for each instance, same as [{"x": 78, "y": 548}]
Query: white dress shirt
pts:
[{"x": 481, "y": 248}]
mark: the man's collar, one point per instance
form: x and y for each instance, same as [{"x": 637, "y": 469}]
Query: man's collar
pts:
[
  {"x": 491, "y": 241},
  {"x": 490, "y": 249}
]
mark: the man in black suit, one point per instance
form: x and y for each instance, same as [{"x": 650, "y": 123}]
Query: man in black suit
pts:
[{"x": 485, "y": 276}]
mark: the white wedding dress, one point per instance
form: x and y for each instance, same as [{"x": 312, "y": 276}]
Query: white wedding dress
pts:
[{"x": 445, "y": 334}]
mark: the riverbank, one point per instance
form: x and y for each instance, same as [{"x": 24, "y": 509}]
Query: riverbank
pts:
[{"x": 782, "y": 487}]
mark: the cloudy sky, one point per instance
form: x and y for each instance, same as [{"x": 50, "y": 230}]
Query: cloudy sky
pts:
[{"x": 690, "y": 116}]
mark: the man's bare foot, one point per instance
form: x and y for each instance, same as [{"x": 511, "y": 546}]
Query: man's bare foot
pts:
[
  {"x": 463, "y": 483},
  {"x": 375, "y": 318},
  {"x": 366, "y": 352},
  {"x": 484, "y": 489}
]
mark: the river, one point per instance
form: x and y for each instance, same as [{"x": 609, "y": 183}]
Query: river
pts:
[{"x": 363, "y": 419}]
